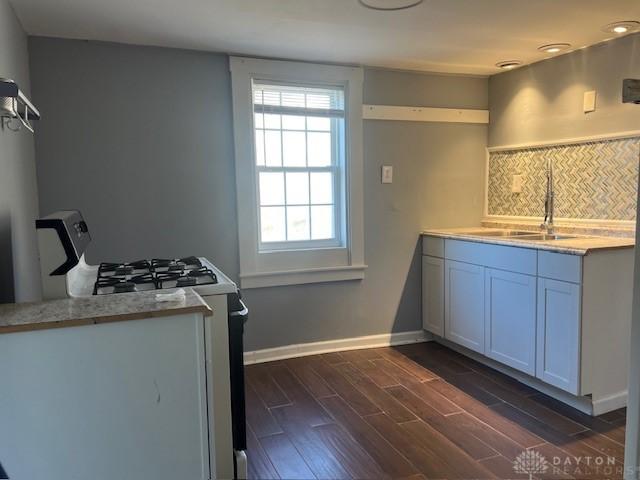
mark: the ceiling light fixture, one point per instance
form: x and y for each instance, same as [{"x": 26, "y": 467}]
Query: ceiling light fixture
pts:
[
  {"x": 389, "y": 5},
  {"x": 620, "y": 28},
  {"x": 509, "y": 64},
  {"x": 555, "y": 47}
]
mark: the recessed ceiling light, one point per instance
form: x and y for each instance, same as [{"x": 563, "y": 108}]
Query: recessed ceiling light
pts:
[
  {"x": 509, "y": 64},
  {"x": 622, "y": 27},
  {"x": 390, "y": 4},
  {"x": 555, "y": 47}
]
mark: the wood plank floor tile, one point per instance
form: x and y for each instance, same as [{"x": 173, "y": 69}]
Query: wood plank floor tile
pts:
[
  {"x": 338, "y": 382},
  {"x": 506, "y": 382},
  {"x": 259, "y": 465},
  {"x": 594, "y": 423},
  {"x": 570, "y": 446},
  {"x": 461, "y": 465},
  {"x": 269, "y": 392},
  {"x": 317, "y": 455},
  {"x": 377, "y": 395},
  {"x": 349, "y": 453},
  {"x": 417, "y": 411},
  {"x": 390, "y": 460},
  {"x": 485, "y": 414},
  {"x": 431, "y": 396},
  {"x": 395, "y": 371},
  {"x": 530, "y": 406},
  {"x": 463, "y": 388},
  {"x": 446, "y": 426},
  {"x": 602, "y": 444},
  {"x": 489, "y": 435},
  {"x": 444, "y": 360},
  {"x": 614, "y": 415},
  {"x": 407, "y": 364},
  {"x": 285, "y": 458},
  {"x": 301, "y": 398},
  {"x": 375, "y": 373},
  {"x": 258, "y": 416},
  {"x": 332, "y": 358},
  {"x": 304, "y": 371},
  {"x": 425, "y": 459},
  {"x": 503, "y": 468},
  {"x": 371, "y": 353},
  {"x": 417, "y": 476}
]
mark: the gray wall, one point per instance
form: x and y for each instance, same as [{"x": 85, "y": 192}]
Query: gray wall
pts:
[
  {"x": 140, "y": 140},
  {"x": 543, "y": 101},
  {"x": 157, "y": 123},
  {"x": 19, "y": 270}
]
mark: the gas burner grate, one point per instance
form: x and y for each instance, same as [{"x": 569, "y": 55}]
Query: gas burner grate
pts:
[
  {"x": 191, "y": 262},
  {"x": 166, "y": 265},
  {"x": 144, "y": 278},
  {"x": 122, "y": 269},
  {"x": 116, "y": 284},
  {"x": 158, "y": 273},
  {"x": 203, "y": 272}
]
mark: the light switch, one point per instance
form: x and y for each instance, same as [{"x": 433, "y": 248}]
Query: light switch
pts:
[
  {"x": 589, "y": 101},
  {"x": 516, "y": 184},
  {"x": 387, "y": 174}
]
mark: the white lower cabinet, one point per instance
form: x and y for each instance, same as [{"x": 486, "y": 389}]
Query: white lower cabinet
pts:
[
  {"x": 464, "y": 304},
  {"x": 559, "y": 317},
  {"x": 433, "y": 295},
  {"x": 510, "y": 319},
  {"x": 558, "y": 336}
]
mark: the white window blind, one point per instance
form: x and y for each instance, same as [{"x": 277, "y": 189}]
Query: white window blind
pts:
[{"x": 299, "y": 158}]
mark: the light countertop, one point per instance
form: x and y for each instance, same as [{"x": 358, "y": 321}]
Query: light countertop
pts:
[
  {"x": 71, "y": 312},
  {"x": 578, "y": 245}
]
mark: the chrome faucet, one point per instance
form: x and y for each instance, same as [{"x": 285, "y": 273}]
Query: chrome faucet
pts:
[{"x": 548, "y": 201}]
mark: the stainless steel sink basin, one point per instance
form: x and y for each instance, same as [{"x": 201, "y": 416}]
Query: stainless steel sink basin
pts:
[
  {"x": 546, "y": 237},
  {"x": 500, "y": 233}
]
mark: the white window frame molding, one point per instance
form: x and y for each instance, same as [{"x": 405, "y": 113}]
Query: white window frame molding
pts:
[{"x": 291, "y": 267}]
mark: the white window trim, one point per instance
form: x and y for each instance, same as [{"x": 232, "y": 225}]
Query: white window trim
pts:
[{"x": 264, "y": 269}]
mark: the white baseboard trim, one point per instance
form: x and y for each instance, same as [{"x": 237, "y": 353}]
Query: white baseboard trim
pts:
[
  {"x": 609, "y": 403},
  {"x": 356, "y": 343}
]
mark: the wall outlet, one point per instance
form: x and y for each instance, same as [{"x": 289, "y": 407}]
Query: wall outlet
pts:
[
  {"x": 387, "y": 174},
  {"x": 516, "y": 184},
  {"x": 589, "y": 101}
]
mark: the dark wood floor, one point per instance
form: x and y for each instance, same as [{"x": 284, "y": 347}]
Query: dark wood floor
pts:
[{"x": 417, "y": 411}]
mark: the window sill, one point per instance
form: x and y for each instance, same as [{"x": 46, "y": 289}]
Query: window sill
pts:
[{"x": 300, "y": 277}]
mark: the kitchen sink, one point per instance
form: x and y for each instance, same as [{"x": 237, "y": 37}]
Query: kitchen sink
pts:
[
  {"x": 545, "y": 236},
  {"x": 500, "y": 233}
]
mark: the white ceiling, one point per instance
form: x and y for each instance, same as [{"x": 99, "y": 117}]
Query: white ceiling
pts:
[{"x": 457, "y": 36}]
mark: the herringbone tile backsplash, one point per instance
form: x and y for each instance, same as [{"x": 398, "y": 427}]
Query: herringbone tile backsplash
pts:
[{"x": 593, "y": 180}]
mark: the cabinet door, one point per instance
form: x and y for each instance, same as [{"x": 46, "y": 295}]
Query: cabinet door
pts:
[
  {"x": 510, "y": 319},
  {"x": 464, "y": 304},
  {"x": 433, "y": 295},
  {"x": 558, "y": 351}
]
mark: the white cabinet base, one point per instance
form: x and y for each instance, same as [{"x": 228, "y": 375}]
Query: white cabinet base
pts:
[
  {"x": 433, "y": 295},
  {"x": 124, "y": 400},
  {"x": 510, "y": 319},
  {"x": 464, "y": 304}
]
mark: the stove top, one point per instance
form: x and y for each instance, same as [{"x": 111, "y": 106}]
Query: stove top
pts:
[{"x": 155, "y": 274}]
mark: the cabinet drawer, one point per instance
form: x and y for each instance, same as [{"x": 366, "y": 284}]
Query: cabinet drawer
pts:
[
  {"x": 433, "y": 246},
  {"x": 513, "y": 259},
  {"x": 560, "y": 266}
]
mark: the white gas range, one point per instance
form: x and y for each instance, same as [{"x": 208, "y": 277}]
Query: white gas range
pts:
[{"x": 63, "y": 238}]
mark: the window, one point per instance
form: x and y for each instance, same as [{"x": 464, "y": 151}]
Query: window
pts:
[
  {"x": 298, "y": 139},
  {"x": 299, "y": 154}
]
